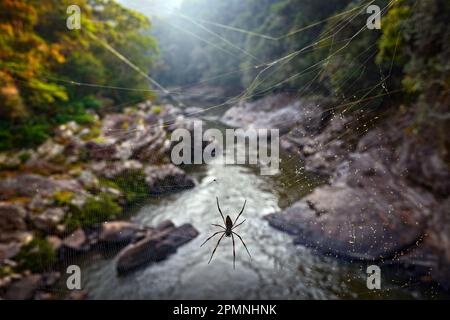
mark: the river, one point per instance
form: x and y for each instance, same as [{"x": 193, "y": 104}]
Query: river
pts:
[{"x": 277, "y": 270}]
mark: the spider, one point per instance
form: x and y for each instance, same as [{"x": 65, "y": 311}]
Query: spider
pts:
[{"x": 228, "y": 231}]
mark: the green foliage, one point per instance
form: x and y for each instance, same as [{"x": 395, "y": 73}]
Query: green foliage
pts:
[
  {"x": 24, "y": 156},
  {"x": 63, "y": 198},
  {"x": 95, "y": 210},
  {"x": 36, "y": 256},
  {"x": 50, "y": 75},
  {"x": 132, "y": 184}
]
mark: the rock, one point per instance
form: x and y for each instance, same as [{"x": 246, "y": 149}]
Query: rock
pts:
[
  {"x": 78, "y": 295},
  {"x": 118, "y": 232},
  {"x": 114, "y": 169},
  {"x": 24, "y": 288},
  {"x": 325, "y": 160},
  {"x": 48, "y": 150},
  {"x": 156, "y": 246},
  {"x": 88, "y": 179},
  {"x": 67, "y": 130},
  {"x": 101, "y": 151},
  {"x": 41, "y": 295},
  {"x": 76, "y": 242},
  {"x": 9, "y": 250},
  {"x": 9, "y": 161},
  {"x": 39, "y": 203},
  {"x": 366, "y": 213},
  {"x": 48, "y": 220},
  {"x": 55, "y": 242},
  {"x": 422, "y": 164},
  {"x": 280, "y": 111},
  {"x": 50, "y": 279},
  {"x": 43, "y": 167},
  {"x": 438, "y": 243},
  {"x": 12, "y": 217},
  {"x": 29, "y": 185},
  {"x": 149, "y": 145},
  {"x": 115, "y": 123},
  {"x": 166, "y": 178}
]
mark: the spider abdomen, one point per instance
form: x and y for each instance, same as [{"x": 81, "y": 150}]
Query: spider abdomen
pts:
[{"x": 228, "y": 225}]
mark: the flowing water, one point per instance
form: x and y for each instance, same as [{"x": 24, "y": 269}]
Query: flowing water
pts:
[{"x": 277, "y": 270}]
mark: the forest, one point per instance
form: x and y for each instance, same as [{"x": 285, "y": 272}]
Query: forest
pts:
[
  {"x": 86, "y": 117},
  {"x": 42, "y": 64}
]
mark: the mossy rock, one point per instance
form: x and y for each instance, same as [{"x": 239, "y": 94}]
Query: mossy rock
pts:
[
  {"x": 95, "y": 210},
  {"x": 133, "y": 186}
]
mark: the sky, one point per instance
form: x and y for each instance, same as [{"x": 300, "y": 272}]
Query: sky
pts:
[{"x": 150, "y": 7}]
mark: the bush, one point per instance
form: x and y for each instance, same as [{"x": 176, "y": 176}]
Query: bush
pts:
[
  {"x": 36, "y": 256},
  {"x": 95, "y": 210},
  {"x": 132, "y": 184}
]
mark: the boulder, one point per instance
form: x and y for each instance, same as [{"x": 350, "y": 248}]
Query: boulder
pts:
[
  {"x": 12, "y": 217},
  {"x": 24, "y": 288},
  {"x": 76, "y": 242},
  {"x": 48, "y": 220},
  {"x": 101, "y": 151},
  {"x": 166, "y": 178},
  {"x": 156, "y": 246},
  {"x": 29, "y": 185},
  {"x": 9, "y": 250},
  {"x": 118, "y": 232},
  {"x": 366, "y": 213},
  {"x": 112, "y": 170},
  {"x": 280, "y": 111},
  {"x": 149, "y": 144}
]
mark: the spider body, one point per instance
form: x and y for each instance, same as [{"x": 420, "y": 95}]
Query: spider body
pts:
[{"x": 228, "y": 228}]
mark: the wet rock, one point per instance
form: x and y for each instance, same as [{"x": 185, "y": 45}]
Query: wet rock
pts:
[
  {"x": 156, "y": 246},
  {"x": 166, "y": 178},
  {"x": 118, "y": 232},
  {"x": 24, "y": 288}
]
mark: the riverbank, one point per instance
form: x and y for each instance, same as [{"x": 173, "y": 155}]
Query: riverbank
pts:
[
  {"x": 386, "y": 199},
  {"x": 55, "y": 199}
]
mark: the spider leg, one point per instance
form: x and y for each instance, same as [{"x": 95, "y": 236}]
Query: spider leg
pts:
[
  {"x": 221, "y": 237},
  {"x": 242, "y": 210},
  {"x": 242, "y": 243},
  {"x": 234, "y": 253},
  {"x": 218, "y": 225},
  {"x": 238, "y": 224},
  {"x": 211, "y": 237},
  {"x": 218, "y": 207}
]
